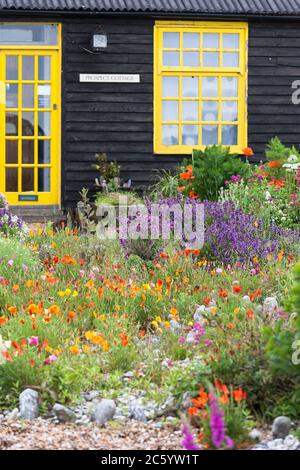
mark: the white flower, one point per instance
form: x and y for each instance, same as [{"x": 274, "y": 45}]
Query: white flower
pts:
[
  {"x": 268, "y": 196},
  {"x": 292, "y": 159}
]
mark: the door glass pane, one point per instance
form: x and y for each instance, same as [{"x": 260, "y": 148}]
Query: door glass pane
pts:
[
  {"x": 28, "y": 123},
  {"x": 11, "y": 95},
  {"x": 12, "y": 68},
  {"x": 11, "y": 180},
  {"x": 11, "y": 151},
  {"x": 11, "y": 120},
  {"x": 210, "y": 59},
  {"x": 229, "y": 111},
  {"x": 191, "y": 59},
  {"x": 231, "y": 59},
  {"x": 190, "y": 87},
  {"x": 28, "y": 151},
  {"x": 209, "y": 135},
  {"x": 44, "y": 124},
  {"x": 27, "y": 179},
  {"x": 189, "y": 135},
  {"x": 28, "y": 96},
  {"x": 170, "y": 87},
  {"x": 229, "y": 135},
  {"x": 231, "y": 41},
  {"x": 170, "y": 134},
  {"x": 171, "y": 40},
  {"x": 170, "y": 111},
  {"x": 229, "y": 87},
  {"x": 44, "y": 68},
  {"x": 191, "y": 40},
  {"x": 210, "y": 87},
  {"x": 44, "y": 180},
  {"x": 190, "y": 110},
  {"x": 28, "y": 68},
  {"x": 211, "y": 40},
  {"x": 210, "y": 110},
  {"x": 43, "y": 152},
  {"x": 29, "y": 34},
  {"x": 44, "y": 96},
  {"x": 171, "y": 59}
]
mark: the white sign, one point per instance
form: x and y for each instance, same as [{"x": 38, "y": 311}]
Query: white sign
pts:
[{"x": 109, "y": 78}]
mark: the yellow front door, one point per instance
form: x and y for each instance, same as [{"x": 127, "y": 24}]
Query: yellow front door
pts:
[{"x": 30, "y": 126}]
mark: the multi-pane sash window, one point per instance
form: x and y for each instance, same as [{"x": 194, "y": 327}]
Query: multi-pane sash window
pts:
[{"x": 200, "y": 86}]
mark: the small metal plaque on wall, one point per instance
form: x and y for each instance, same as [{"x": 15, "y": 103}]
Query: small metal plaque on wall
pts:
[
  {"x": 109, "y": 78},
  {"x": 28, "y": 198}
]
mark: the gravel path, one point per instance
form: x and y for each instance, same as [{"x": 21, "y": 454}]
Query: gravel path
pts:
[{"x": 44, "y": 435}]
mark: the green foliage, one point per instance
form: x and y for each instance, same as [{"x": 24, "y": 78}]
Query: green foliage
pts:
[
  {"x": 16, "y": 259},
  {"x": 113, "y": 199},
  {"x": 276, "y": 150},
  {"x": 166, "y": 185},
  {"x": 108, "y": 171},
  {"x": 211, "y": 169}
]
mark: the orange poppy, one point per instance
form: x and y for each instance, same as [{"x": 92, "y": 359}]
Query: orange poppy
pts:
[
  {"x": 248, "y": 152},
  {"x": 193, "y": 195},
  {"x": 275, "y": 164}
]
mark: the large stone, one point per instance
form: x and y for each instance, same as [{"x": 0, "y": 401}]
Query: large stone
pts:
[
  {"x": 63, "y": 413},
  {"x": 105, "y": 411},
  {"x": 137, "y": 412},
  {"x": 281, "y": 427},
  {"x": 29, "y": 404},
  {"x": 255, "y": 435},
  {"x": 270, "y": 305}
]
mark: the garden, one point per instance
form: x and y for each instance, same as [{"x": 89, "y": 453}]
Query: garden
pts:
[{"x": 199, "y": 345}]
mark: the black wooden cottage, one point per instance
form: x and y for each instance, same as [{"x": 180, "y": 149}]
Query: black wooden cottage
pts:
[{"x": 144, "y": 81}]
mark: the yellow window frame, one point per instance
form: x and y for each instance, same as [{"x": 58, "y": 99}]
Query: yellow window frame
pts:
[{"x": 180, "y": 71}]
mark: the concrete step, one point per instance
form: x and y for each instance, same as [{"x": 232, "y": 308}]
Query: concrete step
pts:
[{"x": 39, "y": 214}]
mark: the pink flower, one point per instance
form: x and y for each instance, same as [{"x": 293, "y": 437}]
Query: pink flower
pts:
[
  {"x": 50, "y": 359},
  {"x": 33, "y": 341},
  {"x": 10, "y": 262}
]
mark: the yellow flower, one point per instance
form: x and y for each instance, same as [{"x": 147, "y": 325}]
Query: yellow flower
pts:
[
  {"x": 105, "y": 346},
  {"x": 61, "y": 293},
  {"x": 74, "y": 350},
  {"x": 167, "y": 324},
  {"x": 155, "y": 324},
  {"x": 68, "y": 292},
  {"x": 158, "y": 319},
  {"x": 237, "y": 310},
  {"x": 101, "y": 317},
  {"x": 147, "y": 287},
  {"x": 213, "y": 310},
  {"x": 85, "y": 349},
  {"x": 29, "y": 284},
  {"x": 75, "y": 293}
]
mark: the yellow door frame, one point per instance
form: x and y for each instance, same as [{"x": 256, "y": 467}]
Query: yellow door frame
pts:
[{"x": 54, "y": 196}]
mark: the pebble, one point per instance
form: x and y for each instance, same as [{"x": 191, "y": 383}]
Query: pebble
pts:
[
  {"x": 63, "y": 414},
  {"x": 29, "y": 404},
  {"x": 104, "y": 411},
  {"x": 281, "y": 427}
]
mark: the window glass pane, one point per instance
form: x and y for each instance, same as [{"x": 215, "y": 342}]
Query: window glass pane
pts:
[
  {"x": 230, "y": 111},
  {"x": 210, "y": 59},
  {"x": 209, "y": 135},
  {"x": 11, "y": 180},
  {"x": 44, "y": 180},
  {"x": 171, "y": 59},
  {"x": 231, "y": 41},
  {"x": 44, "y": 124},
  {"x": 171, "y": 40},
  {"x": 12, "y": 67},
  {"x": 191, "y": 40},
  {"x": 229, "y": 135},
  {"x": 11, "y": 151},
  {"x": 11, "y": 121},
  {"x": 28, "y": 96},
  {"x": 44, "y": 98},
  {"x": 11, "y": 95},
  {"x": 210, "y": 87},
  {"x": 211, "y": 40},
  {"x": 29, "y": 34},
  {"x": 231, "y": 59},
  {"x": 229, "y": 87},
  {"x": 28, "y": 68},
  {"x": 190, "y": 87},
  {"x": 170, "y": 111},
  {"x": 210, "y": 110},
  {"x": 170, "y": 87},
  {"x": 28, "y": 123},
  {"x": 43, "y": 152},
  {"x": 190, "y": 110},
  {"x": 27, "y": 151},
  {"x": 170, "y": 134},
  {"x": 44, "y": 68},
  {"x": 191, "y": 59},
  {"x": 27, "y": 179},
  {"x": 189, "y": 135}
]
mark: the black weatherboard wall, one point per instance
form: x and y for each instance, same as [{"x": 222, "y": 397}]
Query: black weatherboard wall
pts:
[{"x": 118, "y": 118}]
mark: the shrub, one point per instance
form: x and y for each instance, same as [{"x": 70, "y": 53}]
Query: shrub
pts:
[
  {"x": 10, "y": 225},
  {"x": 207, "y": 172},
  {"x": 166, "y": 185}
]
